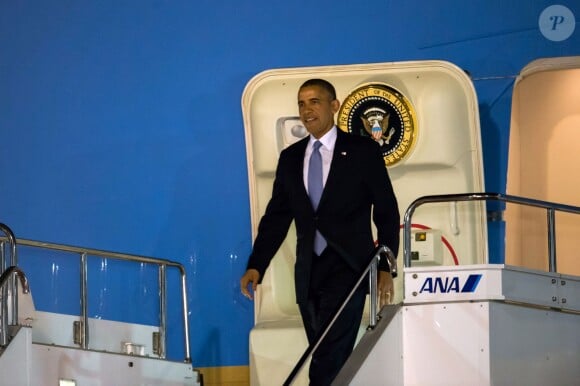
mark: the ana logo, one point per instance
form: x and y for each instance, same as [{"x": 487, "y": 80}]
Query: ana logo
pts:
[
  {"x": 450, "y": 284},
  {"x": 384, "y": 114}
]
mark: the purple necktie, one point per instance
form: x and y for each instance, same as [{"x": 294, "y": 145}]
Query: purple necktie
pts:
[{"x": 315, "y": 190}]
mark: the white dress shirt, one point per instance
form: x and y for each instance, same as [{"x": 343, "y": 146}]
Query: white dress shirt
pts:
[{"x": 328, "y": 141}]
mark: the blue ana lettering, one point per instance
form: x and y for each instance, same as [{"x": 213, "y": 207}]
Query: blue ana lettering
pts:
[{"x": 450, "y": 284}]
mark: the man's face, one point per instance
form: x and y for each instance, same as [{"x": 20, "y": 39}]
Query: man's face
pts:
[{"x": 317, "y": 110}]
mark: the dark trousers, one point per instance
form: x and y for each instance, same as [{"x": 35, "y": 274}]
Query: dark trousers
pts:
[{"x": 331, "y": 281}]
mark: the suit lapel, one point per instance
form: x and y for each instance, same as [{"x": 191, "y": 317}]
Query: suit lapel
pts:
[{"x": 298, "y": 172}]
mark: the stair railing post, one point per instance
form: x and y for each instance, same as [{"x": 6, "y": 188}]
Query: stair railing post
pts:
[{"x": 84, "y": 330}]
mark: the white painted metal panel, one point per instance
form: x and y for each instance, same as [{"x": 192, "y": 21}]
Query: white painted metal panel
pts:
[
  {"x": 15, "y": 365},
  {"x": 445, "y": 284},
  {"x": 446, "y": 344},
  {"x": 104, "y": 335},
  {"x": 384, "y": 364},
  {"x": 534, "y": 346},
  {"x": 492, "y": 282},
  {"x": 92, "y": 368}
]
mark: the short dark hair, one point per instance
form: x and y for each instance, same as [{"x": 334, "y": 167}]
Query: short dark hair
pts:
[{"x": 324, "y": 84}]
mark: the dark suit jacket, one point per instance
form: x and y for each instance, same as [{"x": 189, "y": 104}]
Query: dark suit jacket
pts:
[{"x": 357, "y": 181}]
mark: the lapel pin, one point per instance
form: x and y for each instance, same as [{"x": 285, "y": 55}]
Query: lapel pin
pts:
[{"x": 343, "y": 153}]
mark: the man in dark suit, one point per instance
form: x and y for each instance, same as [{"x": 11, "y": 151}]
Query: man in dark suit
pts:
[{"x": 334, "y": 234}]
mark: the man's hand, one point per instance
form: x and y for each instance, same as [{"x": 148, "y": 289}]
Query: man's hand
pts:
[
  {"x": 386, "y": 289},
  {"x": 252, "y": 276}
]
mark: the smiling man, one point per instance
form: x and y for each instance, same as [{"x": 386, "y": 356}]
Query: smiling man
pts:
[{"x": 329, "y": 184}]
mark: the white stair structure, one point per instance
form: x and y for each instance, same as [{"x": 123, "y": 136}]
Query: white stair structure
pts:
[
  {"x": 26, "y": 363},
  {"x": 44, "y": 348},
  {"x": 474, "y": 325}
]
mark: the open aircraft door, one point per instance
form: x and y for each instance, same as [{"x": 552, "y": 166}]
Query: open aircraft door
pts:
[
  {"x": 430, "y": 137},
  {"x": 543, "y": 159}
]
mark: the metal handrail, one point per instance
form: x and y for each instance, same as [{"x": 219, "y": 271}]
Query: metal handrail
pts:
[
  {"x": 551, "y": 207},
  {"x": 12, "y": 240},
  {"x": 371, "y": 269},
  {"x": 6, "y": 279},
  {"x": 4, "y": 265},
  {"x": 7, "y": 274},
  {"x": 161, "y": 263}
]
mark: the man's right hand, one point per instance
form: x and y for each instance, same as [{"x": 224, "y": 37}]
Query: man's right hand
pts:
[{"x": 252, "y": 276}]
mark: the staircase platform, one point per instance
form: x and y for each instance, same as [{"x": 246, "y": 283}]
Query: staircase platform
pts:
[
  {"x": 474, "y": 325},
  {"x": 29, "y": 364}
]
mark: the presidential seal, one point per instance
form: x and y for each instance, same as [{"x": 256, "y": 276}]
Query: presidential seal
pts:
[{"x": 384, "y": 114}]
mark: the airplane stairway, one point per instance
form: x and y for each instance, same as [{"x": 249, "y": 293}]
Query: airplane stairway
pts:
[
  {"x": 474, "y": 325},
  {"x": 26, "y": 363},
  {"x": 471, "y": 324},
  {"x": 45, "y": 348}
]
